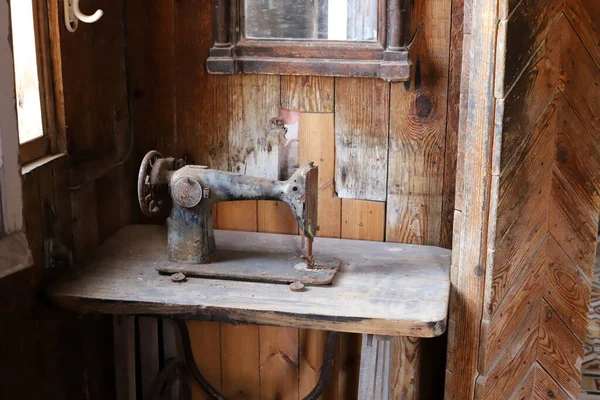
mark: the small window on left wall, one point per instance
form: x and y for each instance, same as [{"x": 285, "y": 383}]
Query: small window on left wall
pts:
[{"x": 34, "y": 143}]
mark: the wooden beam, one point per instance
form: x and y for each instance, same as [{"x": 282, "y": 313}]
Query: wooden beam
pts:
[{"x": 475, "y": 176}]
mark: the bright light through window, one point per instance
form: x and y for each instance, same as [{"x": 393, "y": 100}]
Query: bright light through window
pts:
[{"x": 29, "y": 108}]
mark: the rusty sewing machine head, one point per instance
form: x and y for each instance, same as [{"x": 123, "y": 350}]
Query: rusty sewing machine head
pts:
[{"x": 191, "y": 191}]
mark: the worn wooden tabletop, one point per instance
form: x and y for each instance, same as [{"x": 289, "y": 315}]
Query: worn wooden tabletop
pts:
[{"x": 382, "y": 288}]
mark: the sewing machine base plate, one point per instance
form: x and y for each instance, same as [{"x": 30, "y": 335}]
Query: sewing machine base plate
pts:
[{"x": 258, "y": 267}]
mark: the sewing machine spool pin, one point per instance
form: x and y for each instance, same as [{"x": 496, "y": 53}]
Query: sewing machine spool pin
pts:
[{"x": 191, "y": 191}]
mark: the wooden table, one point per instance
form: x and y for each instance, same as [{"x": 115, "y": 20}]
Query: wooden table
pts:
[{"x": 382, "y": 288}]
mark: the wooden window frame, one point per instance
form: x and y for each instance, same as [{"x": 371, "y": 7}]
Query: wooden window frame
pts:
[
  {"x": 387, "y": 58},
  {"x": 47, "y": 143}
]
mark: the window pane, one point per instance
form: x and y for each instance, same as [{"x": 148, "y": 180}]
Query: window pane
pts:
[
  {"x": 29, "y": 108},
  {"x": 354, "y": 20}
]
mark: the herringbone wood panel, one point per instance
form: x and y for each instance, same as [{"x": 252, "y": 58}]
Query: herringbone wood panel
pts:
[{"x": 545, "y": 200}]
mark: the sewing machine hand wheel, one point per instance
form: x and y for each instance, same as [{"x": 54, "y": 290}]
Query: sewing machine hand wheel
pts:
[{"x": 152, "y": 202}]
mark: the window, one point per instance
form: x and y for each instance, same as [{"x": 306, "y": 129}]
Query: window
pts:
[
  {"x": 14, "y": 250},
  {"x": 33, "y": 140}
]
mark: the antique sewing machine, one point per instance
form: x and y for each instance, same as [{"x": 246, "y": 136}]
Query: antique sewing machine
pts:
[{"x": 191, "y": 191}]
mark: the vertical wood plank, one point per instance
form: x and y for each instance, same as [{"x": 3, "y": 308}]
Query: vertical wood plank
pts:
[
  {"x": 361, "y": 126},
  {"x": 349, "y": 353},
  {"x": 64, "y": 225},
  {"x": 96, "y": 117},
  {"x": 85, "y": 222},
  {"x": 470, "y": 254},
  {"x": 240, "y": 361},
  {"x": 32, "y": 216},
  {"x": 124, "y": 346},
  {"x": 47, "y": 206},
  {"x": 171, "y": 349},
  {"x": 317, "y": 143},
  {"x": 453, "y": 119},
  {"x": 109, "y": 201},
  {"x": 202, "y": 99},
  {"x": 149, "y": 360},
  {"x": 310, "y": 94},
  {"x": 253, "y": 146},
  {"x": 278, "y": 363},
  {"x": 375, "y": 364},
  {"x": 152, "y": 58},
  {"x": 206, "y": 347},
  {"x": 406, "y": 358},
  {"x": 418, "y": 112},
  {"x": 311, "y": 351},
  {"x": 417, "y": 133},
  {"x": 54, "y": 26}
]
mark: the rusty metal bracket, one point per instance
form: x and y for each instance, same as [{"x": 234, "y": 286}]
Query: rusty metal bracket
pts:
[{"x": 324, "y": 378}]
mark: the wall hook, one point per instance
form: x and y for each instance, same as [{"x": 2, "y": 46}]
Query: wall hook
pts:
[
  {"x": 71, "y": 22},
  {"x": 73, "y": 15}
]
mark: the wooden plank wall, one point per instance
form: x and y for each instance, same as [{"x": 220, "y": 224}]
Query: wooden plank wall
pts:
[
  {"x": 539, "y": 146},
  {"x": 223, "y": 122},
  {"x": 46, "y": 353}
]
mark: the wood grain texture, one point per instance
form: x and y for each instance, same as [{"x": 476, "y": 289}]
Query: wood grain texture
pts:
[
  {"x": 312, "y": 343},
  {"x": 310, "y": 94},
  {"x": 153, "y": 73},
  {"x": 546, "y": 387},
  {"x": 239, "y": 358},
  {"x": 148, "y": 353},
  {"x": 400, "y": 272},
  {"x": 583, "y": 15},
  {"x": 253, "y": 148},
  {"x": 469, "y": 253},
  {"x": 124, "y": 337},
  {"x": 201, "y": 101},
  {"x": 559, "y": 352},
  {"x": 544, "y": 206},
  {"x": 406, "y": 362},
  {"x": 375, "y": 366},
  {"x": 206, "y": 347},
  {"x": 317, "y": 143},
  {"x": 519, "y": 38},
  {"x": 279, "y": 365},
  {"x": 363, "y": 220},
  {"x": 361, "y": 125},
  {"x": 453, "y": 120},
  {"x": 418, "y": 133},
  {"x": 96, "y": 116}
]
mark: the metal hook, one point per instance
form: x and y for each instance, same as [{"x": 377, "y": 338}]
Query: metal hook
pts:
[
  {"x": 73, "y": 15},
  {"x": 88, "y": 19},
  {"x": 71, "y": 22}
]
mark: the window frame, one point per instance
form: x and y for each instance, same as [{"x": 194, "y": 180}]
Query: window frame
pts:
[
  {"x": 387, "y": 58},
  {"x": 46, "y": 144}
]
